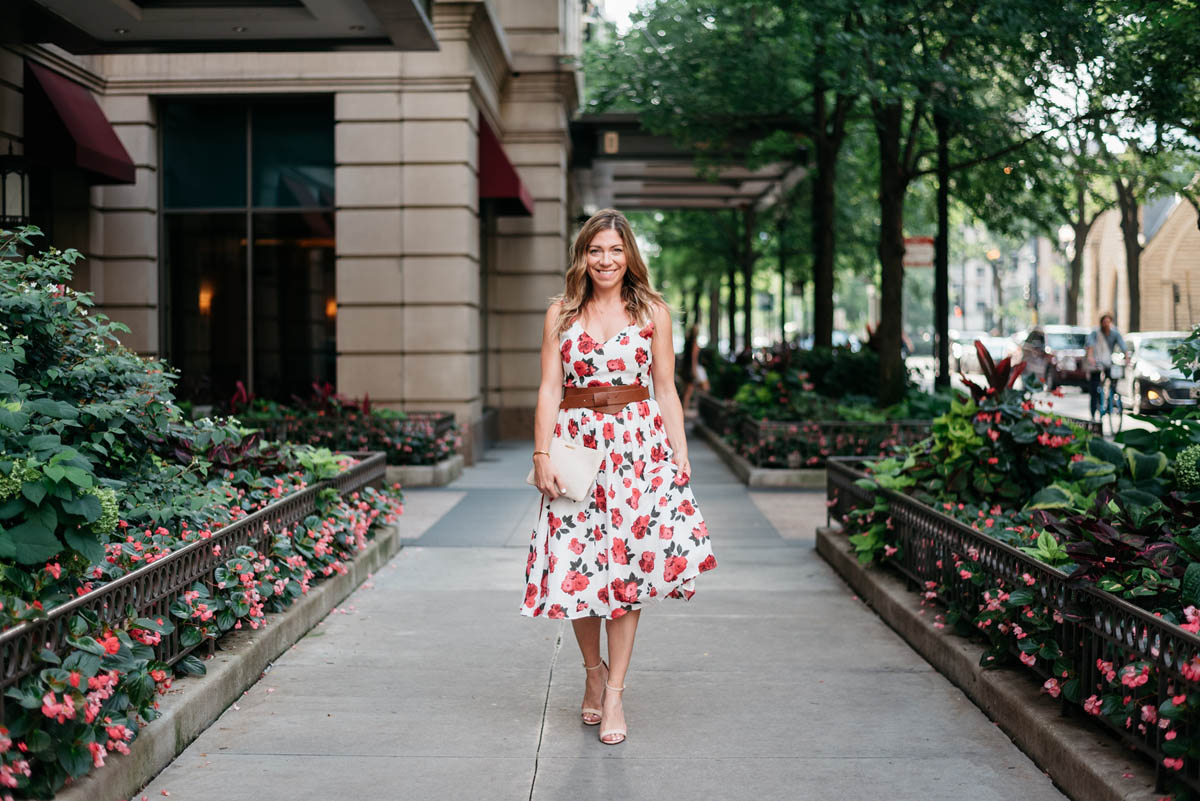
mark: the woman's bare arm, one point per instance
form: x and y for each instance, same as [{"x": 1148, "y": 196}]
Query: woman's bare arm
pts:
[
  {"x": 546, "y": 413},
  {"x": 662, "y": 369}
]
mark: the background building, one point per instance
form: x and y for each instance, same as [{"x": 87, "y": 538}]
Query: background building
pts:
[{"x": 307, "y": 192}]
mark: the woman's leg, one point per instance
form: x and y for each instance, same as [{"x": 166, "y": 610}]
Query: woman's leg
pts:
[
  {"x": 621, "y": 632},
  {"x": 587, "y": 634}
]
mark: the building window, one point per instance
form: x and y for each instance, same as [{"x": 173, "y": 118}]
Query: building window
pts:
[{"x": 248, "y": 245}]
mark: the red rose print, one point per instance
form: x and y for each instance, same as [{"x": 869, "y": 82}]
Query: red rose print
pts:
[
  {"x": 616, "y": 517},
  {"x": 601, "y": 501},
  {"x": 614, "y": 457},
  {"x": 638, "y": 436},
  {"x": 602, "y": 558},
  {"x": 581, "y": 582},
  {"x": 686, "y": 508},
  {"x": 673, "y": 567},
  {"x": 597, "y": 533},
  {"x": 700, "y": 531},
  {"x": 666, "y": 532},
  {"x": 625, "y": 591},
  {"x": 626, "y": 438},
  {"x": 555, "y": 612},
  {"x": 589, "y": 441},
  {"x": 576, "y": 546},
  {"x": 610, "y": 434},
  {"x": 530, "y": 595},
  {"x": 581, "y": 517},
  {"x": 709, "y": 563},
  {"x": 641, "y": 526},
  {"x": 643, "y": 409},
  {"x": 638, "y": 467},
  {"x": 681, "y": 478},
  {"x": 583, "y": 369},
  {"x": 581, "y": 606},
  {"x": 602, "y": 595},
  {"x": 658, "y": 422},
  {"x": 558, "y": 430},
  {"x": 573, "y": 428},
  {"x": 656, "y": 482},
  {"x": 555, "y": 522},
  {"x": 624, "y": 340},
  {"x": 618, "y": 553},
  {"x": 646, "y": 563},
  {"x": 664, "y": 500},
  {"x": 551, "y": 562},
  {"x": 566, "y": 350},
  {"x": 545, "y": 588},
  {"x": 635, "y": 495},
  {"x": 639, "y": 356},
  {"x": 586, "y": 343},
  {"x": 647, "y": 332},
  {"x": 616, "y": 365},
  {"x": 657, "y": 454},
  {"x": 616, "y": 613}
]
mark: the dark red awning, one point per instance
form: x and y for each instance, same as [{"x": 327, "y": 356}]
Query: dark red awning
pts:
[
  {"x": 98, "y": 151},
  {"x": 498, "y": 179}
]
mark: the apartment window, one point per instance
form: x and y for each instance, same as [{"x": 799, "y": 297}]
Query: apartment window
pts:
[{"x": 248, "y": 245}]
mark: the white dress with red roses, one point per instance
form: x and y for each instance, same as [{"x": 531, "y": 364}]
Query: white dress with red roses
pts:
[{"x": 639, "y": 535}]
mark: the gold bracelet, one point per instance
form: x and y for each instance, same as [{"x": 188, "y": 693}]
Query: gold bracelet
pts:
[{"x": 535, "y": 453}]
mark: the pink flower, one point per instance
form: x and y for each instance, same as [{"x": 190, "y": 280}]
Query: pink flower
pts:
[
  {"x": 54, "y": 569},
  {"x": 1051, "y": 686},
  {"x": 1173, "y": 764},
  {"x": 1149, "y": 713},
  {"x": 1027, "y": 659},
  {"x": 965, "y": 574},
  {"x": 888, "y": 550},
  {"x": 98, "y": 754},
  {"x": 1092, "y": 705}
]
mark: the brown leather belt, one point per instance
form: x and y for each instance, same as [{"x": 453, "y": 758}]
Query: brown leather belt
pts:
[{"x": 608, "y": 400}]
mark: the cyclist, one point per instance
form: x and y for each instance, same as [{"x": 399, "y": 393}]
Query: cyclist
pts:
[{"x": 1100, "y": 343}]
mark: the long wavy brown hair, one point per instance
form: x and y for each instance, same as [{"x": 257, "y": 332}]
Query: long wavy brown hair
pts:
[{"x": 637, "y": 291}]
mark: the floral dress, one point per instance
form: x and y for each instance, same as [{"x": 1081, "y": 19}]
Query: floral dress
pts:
[{"x": 639, "y": 535}]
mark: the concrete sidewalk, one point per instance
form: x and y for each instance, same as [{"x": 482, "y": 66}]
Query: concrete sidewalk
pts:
[{"x": 774, "y": 682}]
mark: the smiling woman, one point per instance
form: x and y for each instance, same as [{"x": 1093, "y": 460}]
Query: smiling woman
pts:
[{"x": 638, "y": 534}]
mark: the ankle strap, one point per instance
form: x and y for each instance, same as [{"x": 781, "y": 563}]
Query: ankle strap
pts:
[
  {"x": 593, "y": 667},
  {"x": 614, "y": 689}
]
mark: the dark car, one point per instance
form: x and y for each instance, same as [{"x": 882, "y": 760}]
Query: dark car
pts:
[
  {"x": 1151, "y": 382},
  {"x": 1056, "y": 355}
]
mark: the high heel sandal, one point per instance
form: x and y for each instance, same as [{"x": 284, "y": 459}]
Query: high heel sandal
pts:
[
  {"x": 607, "y": 732},
  {"x": 583, "y": 713}
]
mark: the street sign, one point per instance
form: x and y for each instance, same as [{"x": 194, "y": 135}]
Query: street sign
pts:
[{"x": 918, "y": 251}]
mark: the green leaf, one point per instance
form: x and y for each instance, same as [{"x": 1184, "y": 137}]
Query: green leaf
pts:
[
  {"x": 78, "y": 477},
  {"x": 60, "y": 410},
  {"x": 76, "y": 760},
  {"x": 37, "y": 740},
  {"x": 86, "y": 506},
  {"x": 86, "y": 543},
  {"x": 1051, "y": 497},
  {"x": 1021, "y": 597},
  {"x": 1144, "y": 466},
  {"x": 13, "y": 420},
  {"x": 191, "y": 665},
  {"x": 1189, "y": 589},
  {"x": 1106, "y": 451},
  {"x": 190, "y": 636},
  {"x": 33, "y": 542},
  {"x": 151, "y": 624},
  {"x": 34, "y": 491}
]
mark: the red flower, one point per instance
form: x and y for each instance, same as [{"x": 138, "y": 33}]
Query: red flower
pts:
[
  {"x": 700, "y": 531},
  {"x": 589, "y": 441},
  {"x": 646, "y": 563},
  {"x": 666, "y": 532},
  {"x": 601, "y": 501},
  {"x": 573, "y": 582},
  {"x": 584, "y": 369},
  {"x": 647, "y": 332},
  {"x": 576, "y": 546},
  {"x": 586, "y": 343},
  {"x": 573, "y": 428},
  {"x": 638, "y": 467},
  {"x": 626, "y": 591},
  {"x": 616, "y": 365},
  {"x": 634, "y": 497},
  {"x": 609, "y": 435},
  {"x": 555, "y": 612},
  {"x": 640, "y": 356},
  {"x": 618, "y": 553},
  {"x": 641, "y": 526},
  {"x": 566, "y": 350},
  {"x": 709, "y": 563},
  {"x": 602, "y": 595},
  {"x": 530, "y": 595},
  {"x": 657, "y": 454},
  {"x": 616, "y": 517},
  {"x": 686, "y": 508},
  {"x": 673, "y": 567}
]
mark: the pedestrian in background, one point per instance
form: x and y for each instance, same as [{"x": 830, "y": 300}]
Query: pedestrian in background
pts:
[
  {"x": 638, "y": 533},
  {"x": 1100, "y": 343},
  {"x": 692, "y": 372}
]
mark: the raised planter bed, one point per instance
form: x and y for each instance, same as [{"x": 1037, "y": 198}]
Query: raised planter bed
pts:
[
  {"x": 303, "y": 428},
  {"x": 426, "y": 475},
  {"x": 1091, "y": 627}
]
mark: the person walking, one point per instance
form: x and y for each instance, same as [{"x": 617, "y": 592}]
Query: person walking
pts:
[
  {"x": 637, "y": 533},
  {"x": 1100, "y": 344},
  {"x": 692, "y": 373}
]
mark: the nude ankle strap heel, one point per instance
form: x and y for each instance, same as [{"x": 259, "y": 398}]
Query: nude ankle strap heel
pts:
[
  {"x": 586, "y": 711},
  {"x": 606, "y": 732}
]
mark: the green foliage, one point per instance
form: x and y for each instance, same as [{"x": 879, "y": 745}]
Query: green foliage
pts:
[{"x": 1187, "y": 468}]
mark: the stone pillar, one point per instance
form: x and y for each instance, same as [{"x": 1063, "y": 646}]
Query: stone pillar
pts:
[
  {"x": 531, "y": 253},
  {"x": 122, "y": 249}
]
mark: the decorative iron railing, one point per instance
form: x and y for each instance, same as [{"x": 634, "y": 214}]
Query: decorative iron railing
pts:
[
  {"x": 1091, "y": 624},
  {"x": 303, "y": 428},
  {"x": 151, "y": 589}
]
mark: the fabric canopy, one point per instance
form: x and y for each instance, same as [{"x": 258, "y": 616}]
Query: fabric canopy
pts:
[
  {"x": 498, "y": 179},
  {"x": 98, "y": 151}
]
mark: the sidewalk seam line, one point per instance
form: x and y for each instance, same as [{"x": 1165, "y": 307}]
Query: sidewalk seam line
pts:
[{"x": 545, "y": 705}]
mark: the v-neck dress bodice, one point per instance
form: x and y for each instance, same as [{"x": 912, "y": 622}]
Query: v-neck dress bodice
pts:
[{"x": 639, "y": 535}]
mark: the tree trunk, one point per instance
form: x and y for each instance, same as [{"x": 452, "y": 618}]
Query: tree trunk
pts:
[
  {"x": 997, "y": 299},
  {"x": 714, "y": 311},
  {"x": 1130, "y": 228},
  {"x": 1080, "y": 226},
  {"x": 747, "y": 277},
  {"x": 731, "y": 307},
  {"x": 823, "y": 210},
  {"x": 893, "y": 181},
  {"x": 782, "y": 289},
  {"x": 941, "y": 256}
]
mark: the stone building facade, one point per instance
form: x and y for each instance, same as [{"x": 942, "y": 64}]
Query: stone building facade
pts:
[{"x": 391, "y": 222}]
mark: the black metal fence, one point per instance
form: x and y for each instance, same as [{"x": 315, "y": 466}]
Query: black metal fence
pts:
[
  {"x": 151, "y": 589},
  {"x": 1091, "y": 624}
]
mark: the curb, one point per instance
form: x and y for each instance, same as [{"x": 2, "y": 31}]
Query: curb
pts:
[
  {"x": 760, "y": 477},
  {"x": 426, "y": 475},
  {"x": 1084, "y": 763},
  {"x": 194, "y": 702}
]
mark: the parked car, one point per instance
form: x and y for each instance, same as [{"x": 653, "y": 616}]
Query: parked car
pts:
[
  {"x": 1151, "y": 382},
  {"x": 962, "y": 350},
  {"x": 1055, "y": 354}
]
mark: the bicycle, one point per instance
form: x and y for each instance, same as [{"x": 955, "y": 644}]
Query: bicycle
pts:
[{"x": 1112, "y": 410}]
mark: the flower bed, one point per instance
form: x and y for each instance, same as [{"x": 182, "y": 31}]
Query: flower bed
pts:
[
  {"x": 328, "y": 420},
  {"x": 130, "y": 535},
  {"x": 1074, "y": 556}
]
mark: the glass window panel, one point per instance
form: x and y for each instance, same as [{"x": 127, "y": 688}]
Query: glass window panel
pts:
[
  {"x": 295, "y": 307},
  {"x": 293, "y": 154},
  {"x": 206, "y": 273},
  {"x": 204, "y": 155}
]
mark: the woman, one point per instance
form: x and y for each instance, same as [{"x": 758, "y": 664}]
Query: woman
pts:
[
  {"x": 638, "y": 535},
  {"x": 693, "y": 373}
]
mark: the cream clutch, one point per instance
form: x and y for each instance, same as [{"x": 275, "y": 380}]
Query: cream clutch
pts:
[{"x": 576, "y": 465}]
